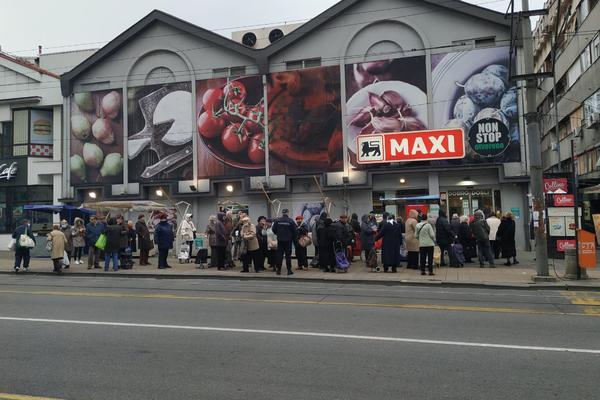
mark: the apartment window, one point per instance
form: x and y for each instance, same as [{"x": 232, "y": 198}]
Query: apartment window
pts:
[
  {"x": 591, "y": 105},
  {"x": 299, "y": 64},
  {"x": 586, "y": 58},
  {"x": 583, "y": 10},
  {"x": 587, "y": 161},
  {"x": 574, "y": 73},
  {"x": 595, "y": 48}
]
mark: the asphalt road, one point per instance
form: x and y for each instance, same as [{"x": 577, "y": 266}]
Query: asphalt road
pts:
[{"x": 126, "y": 338}]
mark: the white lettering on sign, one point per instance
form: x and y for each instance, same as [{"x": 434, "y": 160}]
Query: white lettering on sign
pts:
[
  {"x": 8, "y": 172},
  {"x": 488, "y": 133},
  {"x": 419, "y": 146}
]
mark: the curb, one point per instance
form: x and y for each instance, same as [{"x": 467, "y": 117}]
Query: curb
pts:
[{"x": 484, "y": 285}]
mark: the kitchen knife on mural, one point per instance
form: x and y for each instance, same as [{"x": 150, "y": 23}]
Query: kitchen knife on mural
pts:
[
  {"x": 230, "y": 126},
  {"x": 305, "y": 123},
  {"x": 471, "y": 90},
  {"x": 97, "y": 137},
  {"x": 383, "y": 97},
  {"x": 159, "y": 144}
]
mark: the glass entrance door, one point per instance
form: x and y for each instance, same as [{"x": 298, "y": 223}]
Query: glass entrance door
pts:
[{"x": 466, "y": 202}]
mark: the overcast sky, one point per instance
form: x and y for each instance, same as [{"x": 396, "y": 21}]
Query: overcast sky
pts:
[{"x": 71, "y": 24}]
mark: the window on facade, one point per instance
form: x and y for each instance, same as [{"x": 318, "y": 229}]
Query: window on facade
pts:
[
  {"x": 587, "y": 161},
  {"x": 237, "y": 71},
  {"x": 299, "y": 64},
  {"x": 20, "y": 132},
  {"x": 485, "y": 42},
  {"x": 583, "y": 11},
  {"x": 312, "y": 62},
  {"x": 574, "y": 73},
  {"x": 6, "y": 137},
  {"x": 595, "y": 48},
  {"x": 591, "y": 104},
  {"x": 586, "y": 58},
  {"x": 220, "y": 72}
]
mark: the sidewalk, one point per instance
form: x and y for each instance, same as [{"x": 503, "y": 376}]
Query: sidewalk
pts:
[{"x": 519, "y": 276}]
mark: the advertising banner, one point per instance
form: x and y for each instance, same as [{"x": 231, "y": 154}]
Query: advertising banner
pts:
[
  {"x": 305, "y": 121},
  {"x": 556, "y": 186},
  {"x": 230, "y": 118},
  {"x": 564, "y": 200},
  {"x": 471, "y": 90},
  {"x": 41, "y": 127},
  {"x": 160, "y": 132},
  {"x": 586, "y": 251},
  {"x": 562, "y": 245},
  {"x": 410, "y": 146},
  {"x": 97, "y": 137},
  {"x": 385, "y": 96},
  {"x": 556, "y": 225},
  {"x": 596, "y": 218}
]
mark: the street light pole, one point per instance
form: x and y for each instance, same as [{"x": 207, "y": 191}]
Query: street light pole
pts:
[{"x": 535, "y": 152}]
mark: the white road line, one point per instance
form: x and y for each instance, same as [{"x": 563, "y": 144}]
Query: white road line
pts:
[{"x": 309, "y": 334}]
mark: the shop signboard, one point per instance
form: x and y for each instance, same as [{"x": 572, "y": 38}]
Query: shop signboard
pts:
[
  {"x": 562, "y": 212},
  {"x": 489, "y": 137},
  {"x": 586, "y": 249},
  {"x": 13, "y": 171},
  {"x": 565, "y": 244},
  {"x": 556, "y": 225},
  {"x": 438, "y": 144},
  {"x": 564, "y": 200},
  {"x": 556, "y": 186},
  {"x": 596, "y": 218}
]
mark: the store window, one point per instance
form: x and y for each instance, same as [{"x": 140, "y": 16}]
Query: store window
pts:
[
  {"x": 466, "y": 202},
  {"x": 30, "y": 133},
  {"x": 13, "y": 200}
]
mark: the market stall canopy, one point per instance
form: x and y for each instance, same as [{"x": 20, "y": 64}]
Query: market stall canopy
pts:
[
  {"x": 57, "y": 208},
  {"x": 411, "y": 198},
  {"x": 592, "y": 189},
  {"x": 140, "y": 206}
]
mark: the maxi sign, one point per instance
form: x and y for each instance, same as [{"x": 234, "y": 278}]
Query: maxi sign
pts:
[{"x": 440, "y": 144}]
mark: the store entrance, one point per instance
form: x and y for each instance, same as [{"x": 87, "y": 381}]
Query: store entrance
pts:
[{"x": 466, "y": 202}]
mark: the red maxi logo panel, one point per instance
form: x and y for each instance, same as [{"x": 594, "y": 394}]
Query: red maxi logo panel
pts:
[{"x": 439, "y": 144}]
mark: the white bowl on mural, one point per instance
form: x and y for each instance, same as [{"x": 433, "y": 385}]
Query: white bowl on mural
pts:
[
  {"x": 457, "y": 68},
  {"x": 412, "y": 94}
]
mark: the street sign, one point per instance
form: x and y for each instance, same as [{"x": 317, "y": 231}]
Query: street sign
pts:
[{"x": 439, "y": 144}]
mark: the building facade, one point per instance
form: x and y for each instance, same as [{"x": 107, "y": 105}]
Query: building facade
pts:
[{"x": 168, "y": 105}]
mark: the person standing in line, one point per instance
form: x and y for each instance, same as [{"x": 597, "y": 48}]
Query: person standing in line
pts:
[
  {"x": 412, "y": 243},
  {"x": 248, "y": 233},
  {"x": 22, "y": 254},
  {"x": 300, "y": 250},
  {"x": 115, "y": 233},
  {"x": 210, "y": 232},
  {"x": 131, "y": 244},
  {"x": 59, "y": 243},
  {"x": 271, "y": 245},
  {"x": 163, "y": 238},
  {"x": 426, "y": 236},
  {"x": 229, "y": 224},
  {"x": 220, "y": 242},
  {"x": 327, "y": 238},
  {"x": 391, "y": 232},
  {"x": 494, "y": 223},
  {"x": 93, "y": 230},
  {"x": 188, "y": 231},
  {"x": 481, "y": 231},
  {"x": 286, "y": 232},
  {"x": 455, "y": 224},
  {"x": 506, "y": 239},
  {"x": 444, "y": 235},
  {"x": 317, "y": 229},
  {"x": 261, "y": 235},
  {"x": 144, "y": 242},
  {"x": 78, "y": 235},
  {"x": 124, "y": 240},
  {"x": 368, "y": 230},
  {"x": 466, "y": 239},
  {"x": 66, "y": 229}
]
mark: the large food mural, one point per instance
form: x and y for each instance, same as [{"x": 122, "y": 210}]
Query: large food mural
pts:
[
  {"x": 230, "y": 118},
  {"x": 305, "y": 124},
  {"x": 161, "y": 129},
  {"x": 385, "y": 96},
  {"x": 97, "y": 137},
  {"x": 471, "y": 90}
]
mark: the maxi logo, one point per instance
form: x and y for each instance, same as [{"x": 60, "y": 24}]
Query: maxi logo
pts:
[
  {"x": 442, "y": 144},
  {"x": 8, "y": 172}
]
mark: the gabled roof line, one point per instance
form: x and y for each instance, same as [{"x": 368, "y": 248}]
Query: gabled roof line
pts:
[{"x": 28, "y": 64}]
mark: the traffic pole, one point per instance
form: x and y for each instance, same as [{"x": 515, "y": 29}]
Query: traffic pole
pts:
[{"x": 535, "y": 152}]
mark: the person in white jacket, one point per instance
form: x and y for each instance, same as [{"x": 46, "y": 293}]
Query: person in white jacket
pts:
[
  {"x": 494, "y": 222},
  {"x": 187, "y": 230}
]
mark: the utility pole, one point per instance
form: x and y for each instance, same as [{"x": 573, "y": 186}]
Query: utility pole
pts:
[{"x": 535, "y": 152}]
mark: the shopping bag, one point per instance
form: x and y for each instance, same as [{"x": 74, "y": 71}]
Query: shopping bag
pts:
[
  {"x": 12, "y": 244},
  {"x": 49, "y": 245},
  {"x": 26, "y": 241},
  {"x": 437, "y": 255},
  {"x": 101, "y": 242},
  {"x": 65, "y": 261}
]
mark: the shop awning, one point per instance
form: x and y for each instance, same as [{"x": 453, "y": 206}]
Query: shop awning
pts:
[
  {"x": 57, "y": 208},
  {"x": 412, "y": 198},
  {"x": 140, "y": 206},
  {"x": 592, "y": 189}
]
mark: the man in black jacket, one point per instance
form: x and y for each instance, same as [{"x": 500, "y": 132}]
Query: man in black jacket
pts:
[
  {"x": 444, "y": 235},
  {"x": 22, "y": 253},
  {"x": 286, "y": 231}
]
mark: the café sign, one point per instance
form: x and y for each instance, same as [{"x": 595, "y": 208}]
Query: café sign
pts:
[
  {"x": 8, "y": 171},
  {"x": 439, "y": 144}
]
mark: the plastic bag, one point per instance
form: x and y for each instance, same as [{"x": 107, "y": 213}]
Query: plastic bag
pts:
[
  {"x": 12, "y": 244},
  {"x": 101, "y": 242},
  {"x": 66, "y": 260},
  {"x": 437, "y": 255},
  {"x": 26, "y": 241}
]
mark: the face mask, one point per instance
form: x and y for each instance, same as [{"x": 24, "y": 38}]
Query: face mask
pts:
[{"x": 63, "y": 225}]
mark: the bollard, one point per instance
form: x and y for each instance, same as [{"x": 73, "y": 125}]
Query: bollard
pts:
[{"x": 571, "y": 265}]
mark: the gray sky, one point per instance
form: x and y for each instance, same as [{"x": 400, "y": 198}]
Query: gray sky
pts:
[{"x": 71, "y": 24}]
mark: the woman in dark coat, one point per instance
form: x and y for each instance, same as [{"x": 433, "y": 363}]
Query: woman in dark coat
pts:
[
  {"x": 144, "y": 242},
  {"x": 367, "y": 235},
  {"x": 115, "y": 233},
  {"x": 506, "y": 237},
  {"x": 163, "y": 237},
  {"x": 466, "y": 239},
  {"x": 327, "y": 238},
  {"x": 391, "y": 232}
]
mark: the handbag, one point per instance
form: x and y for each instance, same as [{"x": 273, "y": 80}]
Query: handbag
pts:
[
  {"x": 12, "y": 244},
  {"x": 243, "y": 247},
  {"x": 101, "y": 242},
  {"x": 49, "y": 245},
  {"x": 304, "y": 241},
  {"x": 26, "y": 241}
]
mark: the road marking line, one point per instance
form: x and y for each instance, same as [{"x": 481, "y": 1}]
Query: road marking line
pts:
[
  {"x": 437, "y": 307},
  {"x": 8, "y": 396},
  {"x": 309, "y": 334}
]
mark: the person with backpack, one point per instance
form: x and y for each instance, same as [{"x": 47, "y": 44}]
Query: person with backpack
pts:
[
  {"x": 481, "y": 231},
  {"x": 426, "y": 236},
  {"x": 22, "y": 253}
]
